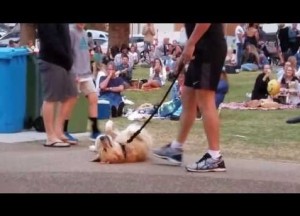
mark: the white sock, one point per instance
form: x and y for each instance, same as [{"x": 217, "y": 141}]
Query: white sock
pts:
[
  {"x": 176, "y": 144},
  {"x": 214, "y": 154}
]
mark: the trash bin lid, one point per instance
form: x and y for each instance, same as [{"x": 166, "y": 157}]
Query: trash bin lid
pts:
[
  {"x": 9, "y": 53},
  {"x": 102, "y": 101}
]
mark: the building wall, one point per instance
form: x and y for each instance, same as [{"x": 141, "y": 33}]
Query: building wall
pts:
[
  {"x": 172, "y": 30},
  {"x": 178, "y": 26},
  {"x": 161, "y": 30},
  {"x": 136, "y": 28}
]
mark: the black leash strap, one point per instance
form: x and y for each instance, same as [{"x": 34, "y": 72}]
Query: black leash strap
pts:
[{"x": 179, "y": 70}]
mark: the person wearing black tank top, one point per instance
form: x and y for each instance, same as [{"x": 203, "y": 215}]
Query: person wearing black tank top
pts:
[{"x": 205, "y": 52}]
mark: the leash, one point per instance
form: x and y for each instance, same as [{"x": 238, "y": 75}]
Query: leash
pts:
[{"x": 179, "y": 70}]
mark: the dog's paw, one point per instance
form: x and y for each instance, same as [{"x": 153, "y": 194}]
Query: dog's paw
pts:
[
  {"x": 92, "y": 148},
  {"x": 105, "y": 162},
  {"x": 109, "y": 126}
]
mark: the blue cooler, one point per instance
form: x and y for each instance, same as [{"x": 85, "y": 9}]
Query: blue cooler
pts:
[{"x": 103, "y": 109}]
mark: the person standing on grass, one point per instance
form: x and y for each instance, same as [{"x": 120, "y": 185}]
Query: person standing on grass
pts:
[{"x": 149, "y": 33}]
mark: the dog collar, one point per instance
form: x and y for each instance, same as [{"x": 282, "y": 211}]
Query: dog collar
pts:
[{"x": 123, "y": 149}]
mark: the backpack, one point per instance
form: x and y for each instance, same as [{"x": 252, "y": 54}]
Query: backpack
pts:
[
  {"x": 38, "y": 124},
  {"x": 169, "y": 107}
]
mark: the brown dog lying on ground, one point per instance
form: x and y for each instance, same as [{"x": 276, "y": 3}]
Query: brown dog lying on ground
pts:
[{"x": 112, "y": 147}]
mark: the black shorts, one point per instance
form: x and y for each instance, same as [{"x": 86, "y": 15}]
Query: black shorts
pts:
[{"x": 205, "y": 69}]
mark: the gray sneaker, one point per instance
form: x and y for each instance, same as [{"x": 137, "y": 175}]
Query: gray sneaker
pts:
[
  {"x": 173, "y": 155},
  {"x": 207, "y": 164}
]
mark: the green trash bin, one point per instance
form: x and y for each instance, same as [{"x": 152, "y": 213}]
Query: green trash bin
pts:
[
  {"x": 33, "y": 91},
  {"x": 79, "y": 118}
]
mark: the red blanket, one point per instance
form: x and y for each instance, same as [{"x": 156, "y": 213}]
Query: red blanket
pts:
[{"x": 241, "y": 106}]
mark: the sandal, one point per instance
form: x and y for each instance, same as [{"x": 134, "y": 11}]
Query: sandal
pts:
[
  {"x": 66, "y": 140},
  {"x": 59, "y": 144}
]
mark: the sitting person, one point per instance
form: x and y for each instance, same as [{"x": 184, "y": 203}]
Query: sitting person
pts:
[
  {"x": 291, "y": 61},
  {"x": 125, "y": 71},
  {"x": 177, "y": 87},
  {"x": 162, "y": 51},
  {"x": 250, "y": 59},
  {"x": 100, "y": 73},
  {"x": 31, "y": 48},
  {"x": 176, "y": 93},
  {"x": 158, "y": 75},
  {"x": 124, "y": 51},
  {"x": 97, "y": 60},
  {"x": 297, "y": 56},
  {"x": 147, "y": 57},
  {"x": 280, "y": 71},
  {"x": 231, "y": 61},
  {"x": 110, "y": 55},
  {"x": 260, "y": 90},
  {"x": 222, "y": 89},
  {"x": 289, "y": 91},
  {"x": 230, "y": 57},
  {"x": 134, "y": 54},
  {"x": 262, "y": 59},
  {"x": 111, "y": 87},
  {"x": 176, "y": 52}
]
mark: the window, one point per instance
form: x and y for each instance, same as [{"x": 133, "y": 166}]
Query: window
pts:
[
  {"x": 100, "y": 41},
  {"x": 136, "y": 39},
  {"x": 11, "y": 35}
]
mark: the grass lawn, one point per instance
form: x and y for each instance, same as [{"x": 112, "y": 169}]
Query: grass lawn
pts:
[{"x": 244, "y": 134}]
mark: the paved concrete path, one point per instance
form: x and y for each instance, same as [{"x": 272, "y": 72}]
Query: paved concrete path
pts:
[{"x": 32, "y": 168}]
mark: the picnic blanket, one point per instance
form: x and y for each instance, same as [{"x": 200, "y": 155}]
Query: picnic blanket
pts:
[
  {"x": 241, "y": 106},
  {"x": 143, "y": 90}
]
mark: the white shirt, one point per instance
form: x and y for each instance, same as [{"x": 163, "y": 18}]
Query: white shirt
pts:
[
  {"x": 238, "y": 30},
  {"x": 134, "y": 56},
  {"x": 162, "y": 75}
]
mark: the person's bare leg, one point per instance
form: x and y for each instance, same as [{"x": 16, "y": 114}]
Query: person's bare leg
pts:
[
  {"x": 154, "y": 84},
  {"x": 72, "y": 103},
  {"x": 188, "y": 115},
  {"x": 93, "y": 105},
  {"x": 281, "y": 59},
  {"x": 146, "y": 85},
  {"x": 212, "y": 160},
  {"x": 207, "y": 104},
  {"x": 48, "y": 117},
  {"x": 173, "y": 152},
  {"x": 64, "y": 111}
]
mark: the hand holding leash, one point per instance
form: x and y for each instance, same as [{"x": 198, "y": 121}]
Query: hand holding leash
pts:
[{"x": 180, "y": 66}]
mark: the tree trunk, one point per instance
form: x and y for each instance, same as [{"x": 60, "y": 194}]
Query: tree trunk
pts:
[
  {"x": 118, "y": 34},
  {"x": 28, "y": 32}
]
